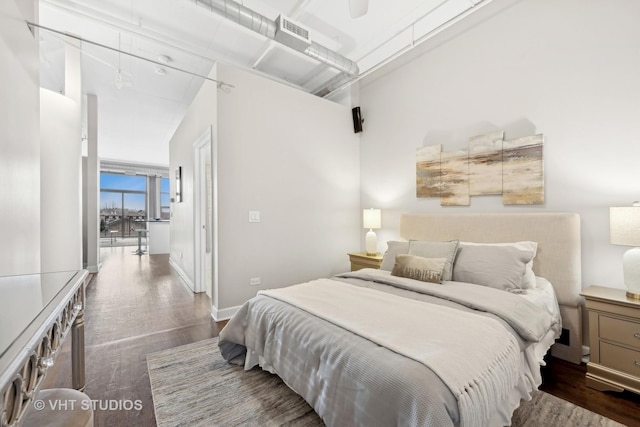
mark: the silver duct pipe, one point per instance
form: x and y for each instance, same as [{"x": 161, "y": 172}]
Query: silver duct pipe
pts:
[
  {"x": 334, "y": 83},
  {"x": 261, "y": 24},
  {"x": 241, "y": 15},
  {"x": 332, "y": 59}
]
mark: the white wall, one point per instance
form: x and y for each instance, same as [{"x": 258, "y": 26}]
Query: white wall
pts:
[
  {"x": 61, "y": 171},
  {"x": 61, "y": 174},
  {"x": 19, "y": 140},
  {"x": 566, "y": 69},
  {"x": 291, "y": 156},
  {"x": 200, "y": 115}
]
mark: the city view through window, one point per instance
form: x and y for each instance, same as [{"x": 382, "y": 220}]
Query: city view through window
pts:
[{"x": 123, "y": 206}]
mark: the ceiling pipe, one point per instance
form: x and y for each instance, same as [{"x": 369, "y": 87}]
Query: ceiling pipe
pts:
[
  {"x": 261, "y": 24},
  {"x": 336, "y": 82},
  {"x": 119, "y": 24}
]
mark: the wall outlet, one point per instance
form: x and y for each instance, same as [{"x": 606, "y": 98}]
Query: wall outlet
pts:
[{"x": 254, "y": 281}]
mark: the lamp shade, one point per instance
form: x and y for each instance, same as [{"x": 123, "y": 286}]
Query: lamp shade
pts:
[
  {"x": 371, "y": 218},
  {"x": 624, "y": 225}
]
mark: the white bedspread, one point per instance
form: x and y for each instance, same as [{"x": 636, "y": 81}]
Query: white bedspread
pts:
[{"x": 475, "y": 356}]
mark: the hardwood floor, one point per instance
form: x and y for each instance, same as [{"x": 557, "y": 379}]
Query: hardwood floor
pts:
[
  {"x": 138, "y": 305},
  {"x": 567, "y": 381}
]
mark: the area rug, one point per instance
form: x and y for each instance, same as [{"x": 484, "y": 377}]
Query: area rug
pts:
[{"x": 192, "y": 385}]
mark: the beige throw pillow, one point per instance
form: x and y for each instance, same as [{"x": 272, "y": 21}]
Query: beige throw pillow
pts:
[{"x": 419, "y": 268}]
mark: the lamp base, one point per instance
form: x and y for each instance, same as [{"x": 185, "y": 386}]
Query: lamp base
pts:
[
  {"x": 629, "y": 295},
  {"x": 631, "y": 271},
  {"x": 371, "y": 245}
]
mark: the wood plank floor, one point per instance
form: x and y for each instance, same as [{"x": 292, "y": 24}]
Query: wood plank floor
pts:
[
  {"x": 567, "y": 381},
  {"x": 138, "y": 305}
]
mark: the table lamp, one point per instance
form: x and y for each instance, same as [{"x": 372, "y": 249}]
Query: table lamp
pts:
[
  {"x": 624, "y": 228},
  {"x": 371, "y": 220}
]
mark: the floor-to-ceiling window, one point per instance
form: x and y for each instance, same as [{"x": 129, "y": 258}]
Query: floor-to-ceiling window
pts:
[
  {"x": 123, "y": 208},
  {"x": 165, "y": 199}
]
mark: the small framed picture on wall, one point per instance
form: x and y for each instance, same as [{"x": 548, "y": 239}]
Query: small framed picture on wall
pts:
[{"x": 179, "y": 184}]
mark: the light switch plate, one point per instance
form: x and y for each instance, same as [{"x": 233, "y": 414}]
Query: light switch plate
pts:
[{"x": 254, "y": 216}]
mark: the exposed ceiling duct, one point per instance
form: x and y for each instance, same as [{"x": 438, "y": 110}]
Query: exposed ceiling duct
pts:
[{"x": 288, "y": 34}]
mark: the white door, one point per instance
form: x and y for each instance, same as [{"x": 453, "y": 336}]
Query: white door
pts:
[{"x": 204, "y": 208}]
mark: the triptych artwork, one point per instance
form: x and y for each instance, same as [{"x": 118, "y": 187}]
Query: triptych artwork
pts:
[{"x": 490, "y": 165}]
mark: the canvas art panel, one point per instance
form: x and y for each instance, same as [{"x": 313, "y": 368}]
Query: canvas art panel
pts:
[
  {"x": 428, "y": 183},
  {"x": 454, "y": 175},
  {"x": 522, "y": 179},
  {"x": 485, "y": 164}
]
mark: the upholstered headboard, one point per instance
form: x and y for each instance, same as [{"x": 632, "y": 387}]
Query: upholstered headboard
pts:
[{"x": 558, "y": 258}]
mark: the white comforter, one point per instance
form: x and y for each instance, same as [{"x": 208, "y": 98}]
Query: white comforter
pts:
[{"x": 414, "y": 329}]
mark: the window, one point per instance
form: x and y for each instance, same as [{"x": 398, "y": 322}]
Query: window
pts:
[
  {"x": 123, "y": 200},
  {"x": 165, "y": 199}
]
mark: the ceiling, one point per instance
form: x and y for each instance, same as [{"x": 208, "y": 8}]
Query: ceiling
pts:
[{"x": 180, "y": 40}]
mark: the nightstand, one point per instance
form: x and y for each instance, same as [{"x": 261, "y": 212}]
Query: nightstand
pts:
[
  {"x": 614, "y": 335},
  {"x": 362, "y": 260}
]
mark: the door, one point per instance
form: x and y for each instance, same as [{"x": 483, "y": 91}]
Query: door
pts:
[{"x": 204, "y": 214}]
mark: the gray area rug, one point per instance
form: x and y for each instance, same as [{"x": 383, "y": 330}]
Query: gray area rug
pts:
[{"x": 193, "y": 385}]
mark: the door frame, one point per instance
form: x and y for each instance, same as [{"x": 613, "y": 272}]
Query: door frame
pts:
[{"x": 205, "y": 143}]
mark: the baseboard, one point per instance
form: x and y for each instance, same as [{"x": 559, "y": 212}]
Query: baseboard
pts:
[
  {"x": 182, "y": 274},
  {"x": 224, "y": 314},
  {"x": 93, "y": 268}
]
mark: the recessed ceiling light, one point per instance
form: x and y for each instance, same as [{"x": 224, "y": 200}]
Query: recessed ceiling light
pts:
[
  {"x": 165, "y": 59},
  {"x": 160, "y": 71}
]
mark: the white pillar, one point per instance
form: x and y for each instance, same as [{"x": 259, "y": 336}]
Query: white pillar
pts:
[{"x": 91, "y": 191}]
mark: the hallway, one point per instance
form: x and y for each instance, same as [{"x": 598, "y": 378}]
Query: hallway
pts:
[{"x": 136, "y": 305}]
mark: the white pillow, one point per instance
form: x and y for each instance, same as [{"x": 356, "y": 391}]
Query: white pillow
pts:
[{"x": 529, "y": 280}]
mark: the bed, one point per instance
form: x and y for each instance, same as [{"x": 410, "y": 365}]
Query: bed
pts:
[{"x": 416, "y": 345}]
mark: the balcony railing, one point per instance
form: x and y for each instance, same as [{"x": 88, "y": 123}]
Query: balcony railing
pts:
[{"x": 121, "y": 227}]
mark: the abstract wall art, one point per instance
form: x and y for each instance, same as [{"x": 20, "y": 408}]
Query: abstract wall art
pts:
[{"x": 490, "y": 166}]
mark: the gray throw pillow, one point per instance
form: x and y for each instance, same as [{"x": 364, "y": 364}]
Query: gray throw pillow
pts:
[
  {"x": 529, "y": 280},
  {"x": 393, "y": 248},
  {"x": 500, "y": 267},
  {"x": 446, "y": 250}
]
